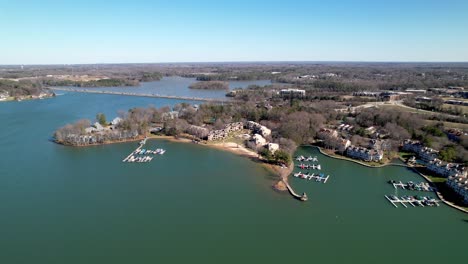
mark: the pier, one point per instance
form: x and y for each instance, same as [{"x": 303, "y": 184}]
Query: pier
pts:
[
  {"x": 408, "y": 200},
  {"x": 423, "y": 186},
  {"x": 134, "y": 155},
  {"x": 143, "y": 95},
  {"x": 317, "y": 178},
  {"x": 302, "y": 197}
]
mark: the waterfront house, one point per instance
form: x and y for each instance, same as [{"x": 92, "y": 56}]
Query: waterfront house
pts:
[
  {"x": 198, "y": 131},
  {"x": 257, "y": 128},
  {"x": 428, "y": 154},
  {"x": 446, "y": 169},
  {"x": 98, "y": 126},
  {"x": 343, "y": 144},
  {"x": 459, "y": 184},
  {"x": 116, "y": 121},
  {"x": 412, "y": 146},
  {"x": 259, "y": 140},
  {"x": 425, "y": 153},
  {"x": 364, "y": 153},
  {"x": 224, "y": 133},
  {"x": 325, "y": 133},
  {"x": 272, "y": 147}
]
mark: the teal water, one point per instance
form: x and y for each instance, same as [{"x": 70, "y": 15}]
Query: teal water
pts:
[
  {"x": 178, "y": 86},
  {"x": 195, "y": 204}
]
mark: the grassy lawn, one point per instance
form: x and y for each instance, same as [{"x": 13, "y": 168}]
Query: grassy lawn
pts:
[
  {"x": 463, "y": 109},
  {"x": 405, "y": 155},
  {"x": 449, "y": 124}
]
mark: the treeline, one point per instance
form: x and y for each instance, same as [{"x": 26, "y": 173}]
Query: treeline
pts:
[
  {"x": 21, "y": 88},
  {"x": 210, "y": 85},
  {"x": 233, "y": 76},
  {"x": 91, "y": 83}
]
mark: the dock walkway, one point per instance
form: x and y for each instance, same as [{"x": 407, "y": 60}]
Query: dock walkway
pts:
[{"x": 293, "y": 193}]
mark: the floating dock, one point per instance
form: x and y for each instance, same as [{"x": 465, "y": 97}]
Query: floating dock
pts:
[
  {"x": 137, "y": 154},
  {"x": 423, "y": 186},
  {"x": 317, "y": 177},
  {"x": 409, "y": 200}
]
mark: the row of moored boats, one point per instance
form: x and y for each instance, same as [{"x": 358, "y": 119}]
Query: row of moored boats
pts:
[
  {"x": 309, "y": 166},
  {"x": 139, "y": 159},
  {"x": 148, "y": 151},
  {"x": 310, "y": 158},
  {"x": 317, "y": 177},
  {"x": 136, "y": 155}
]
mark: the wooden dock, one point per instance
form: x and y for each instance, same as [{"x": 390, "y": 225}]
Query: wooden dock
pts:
[{"x": 412, "y": 201}]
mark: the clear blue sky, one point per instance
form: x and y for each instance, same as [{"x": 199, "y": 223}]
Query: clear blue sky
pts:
[{"x": 56, "y": 32}]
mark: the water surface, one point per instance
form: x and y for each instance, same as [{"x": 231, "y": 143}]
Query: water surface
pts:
[{"x": 195, "y": 204}]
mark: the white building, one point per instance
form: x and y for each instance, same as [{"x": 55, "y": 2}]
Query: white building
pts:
[
  {"x": 259, "y": 140},
  {"x": 459, "y": 184},
  {"x": 272, "y": 147},
  {"x": 364, "y": 153},
  {"x": 446, "y": 169},
  {"x": 292, "y": 92},
  {"x": 257, "y": 128}
]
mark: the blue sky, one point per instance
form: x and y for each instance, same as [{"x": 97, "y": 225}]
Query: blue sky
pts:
[{"x": 57, "y": 32}]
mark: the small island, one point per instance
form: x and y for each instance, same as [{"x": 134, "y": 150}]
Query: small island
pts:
[{"x": 210, "y": 85}]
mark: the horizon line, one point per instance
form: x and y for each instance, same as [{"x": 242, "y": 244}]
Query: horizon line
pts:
[{"x": 225, "y": 62}]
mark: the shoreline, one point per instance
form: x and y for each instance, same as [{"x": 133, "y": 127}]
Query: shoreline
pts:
[
  {"x": 242, "y": 151},
  {"x": 439, "y": 194},
  {"x": 15, "y": 99},
  {"x": 356, "y": 161}
]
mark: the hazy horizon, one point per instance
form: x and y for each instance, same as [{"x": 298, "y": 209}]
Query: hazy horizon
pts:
[{"x": 88, "y": 32}]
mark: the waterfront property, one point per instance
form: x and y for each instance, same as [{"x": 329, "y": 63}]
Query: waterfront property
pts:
[
  {"x": 459, "y": 184},
  {"x": 224, "y": 133},
  {"x": 257, "y": 128},
  {"x": 364, "y": 153},
  {"x": 430, "y": 158},
  {"x": 424, "y": 153},
  {"x": 446, "y": 169}
]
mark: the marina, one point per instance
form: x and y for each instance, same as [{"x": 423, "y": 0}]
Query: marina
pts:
[
  {"x": 317, "y": 177},
  {"x": 422, "y": 186},
  {"x": 141, "y": 155},
  {"x": 310, "y": 158},
  {"x": 309, "y": 166},
  {"x": 414, "y": 201}
]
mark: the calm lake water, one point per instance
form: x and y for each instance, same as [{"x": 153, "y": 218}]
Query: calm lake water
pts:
[
  {"x": 195, "y": 204},
  {"x": 178, "y": 86}
]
